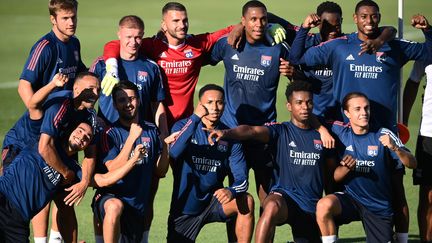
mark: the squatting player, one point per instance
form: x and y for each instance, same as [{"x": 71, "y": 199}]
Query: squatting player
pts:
[
  {"x": 199, "y": 169},
  {"x": 372, "y": 158}
]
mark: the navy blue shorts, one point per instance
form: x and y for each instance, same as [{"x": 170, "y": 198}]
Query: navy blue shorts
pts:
[
  {"x": 131, "y": 222},
  {"x": 377, "y": 228},
  {"x": 303, "y": 224},
  {"x": 185, "y": 228},
  {"x": 422, "y": 174},
  {"x": 8, "y": 155},
  {"x": 13, "y": 228}
]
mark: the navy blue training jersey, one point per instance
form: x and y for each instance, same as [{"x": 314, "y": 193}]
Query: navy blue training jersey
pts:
[
  {"x": 144, "y": 73},
  {"x": 134, "y": 188},
  {"x": 376, "y": 75},
  {"x": 199, "y": 169},
  {"x": 370, "y": 182},
  {"x": 251, "y": 81},
  {"x": 300, "y": 159},
  {"x": 50, "y": 56},
  {"x": 29, "y": 183}
]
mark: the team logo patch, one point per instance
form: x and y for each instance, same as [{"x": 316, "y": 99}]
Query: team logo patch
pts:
[
  {"x": 265, "y": 60},
  {"x": 146, "y": 142},
  {"x": 317, "y": 144},
  {"x": 188, "y": 53},
  {"x": 142, "y": 76},
  {"x": 381, "y": 56},
  {"x": 76, "y": 54},
  {"x": 222, "y": 146},
  {"x": 372, "y": 151}
]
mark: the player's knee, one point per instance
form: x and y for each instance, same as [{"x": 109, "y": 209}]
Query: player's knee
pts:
[
  {"x": 113, "y": 207},
  {"x": 271, "y": 208},
  {"x": 245, "y": 204},
  {"x": 324, "y": 207}
]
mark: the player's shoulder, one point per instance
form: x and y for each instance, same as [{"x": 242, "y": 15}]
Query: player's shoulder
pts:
[
  {"x": 336, "y": 41},
  {"x": 46, "y": 43},
  {"x": 58, "y": 99}
]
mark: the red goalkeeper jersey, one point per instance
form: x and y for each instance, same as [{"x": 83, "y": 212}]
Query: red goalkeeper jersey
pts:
[{"x": 181, "y": 66}]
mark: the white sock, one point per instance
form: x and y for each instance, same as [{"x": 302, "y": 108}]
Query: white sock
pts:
[
  {"x": 39, "y": 239},
  {"x": 99, "y": 239},
  {"x": 145, "y": 237},
  {"x": 55, "y": 237},
  {"x": 401, "y": 237},
  {"x": 329, "y": 239}
]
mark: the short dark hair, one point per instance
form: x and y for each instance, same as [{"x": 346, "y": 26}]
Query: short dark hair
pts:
[
  {"x": 132, "y": 22},
  {"x": 252, "y": 4},
  {"x": 208, "y": 87},
  {"x": 369, "y": 3},
  {"x": 81, "y": 75},
  {"x": 173, "y": 6},
  {"x": 329, "y": 7},
  {"x": 295, "y": 86},
  {"x": 123, "y": 85},
  {"x": 57, "y": 5},
  {"x": 350, "y": 96}
]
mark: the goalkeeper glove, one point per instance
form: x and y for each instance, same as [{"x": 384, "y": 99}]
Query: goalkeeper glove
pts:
[
  {"x": 275, "y": 34},
  {"x": 111, "y": 77}
]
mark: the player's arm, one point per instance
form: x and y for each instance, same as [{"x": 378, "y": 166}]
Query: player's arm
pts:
[
  {"x": 411, "y": 89},
  {"x": 242, "y": 132},
  {"x": 298, "y": 47},
  {"x": 160, "y": 118},
  {"x": 347, "y": 164},
  {"x": 185, "y": 131},
  {"x": 326, "y": 137},
  {"x": 392, "y": 142},
  {"x": 25, "y": 91},
  {"x": 328, "y": 170},
  {"x": 162, "y": 162},
  {"x": 387, "y": 33}
]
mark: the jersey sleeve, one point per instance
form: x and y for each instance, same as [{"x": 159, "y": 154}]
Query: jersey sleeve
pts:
[
  {"x": 338, "y": 127},
  {"x": 274, "y": 131},
  {"x": 218, "y": 51},
  {"x": 186, "y": 131},
  {"x": 418, "y": 71},
  {"x": 397, "y": 141},
  {"x": 157, "y": 88},
  {"x": 53, "y": 116},
  {"x": 98, "y": 67},
  {"x": 237, "y": 163},
  {"x": 209, "y": 40},
  {"x": 298, "y": 47},
  {"x": 111, "y": 147},
  {"x": 111, "y": 50},
  {"x": 37, "y": 63}
]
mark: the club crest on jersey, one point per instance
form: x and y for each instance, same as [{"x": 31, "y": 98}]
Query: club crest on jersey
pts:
[
  {"x": 380, "y": 56},
  {"x": 146, "y": 142},
  {"x": 318, "y": 144},
  {"x": 188, "y": 53},
  {"x": 142, "y": 76},
  {"x": 372, "y": 151},
  {"x": 76, "y": 54},
  {"x": 265, "y": 60},
  {"x": 222, "y": 146}
]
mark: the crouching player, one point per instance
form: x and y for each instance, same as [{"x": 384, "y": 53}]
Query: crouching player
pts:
[
  {"x": 199, "y": 196},
  {"x": 301, "y": 168},
  {"x": 372, "y": 160}
]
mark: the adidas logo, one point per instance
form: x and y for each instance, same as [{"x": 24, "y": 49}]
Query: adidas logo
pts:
[
  {"x": 59, "y": 60},
  {"x": 163, "y": 54},
  {"x": 235, "y": 57},
  {"x": 350, "y": 148},
  {"x": 350, "y": 58},
  {"x": 292, "y": 144}
]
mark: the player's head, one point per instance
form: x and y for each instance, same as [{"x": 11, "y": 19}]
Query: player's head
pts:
[
  {"x": 86, "y": 90},
  {"x": 331, "y": 20},
  {"x": 356, "y": 108},
  {"x": 212, "y": 97},
  {"x": 80, "y": 137},
  {"x": 254, "y": 20},
  {"x": 299, "y": 100},
  {"x": 63, "y": 16},
  {"x": 130, "y": 34},
  {"x": 175, "y": 22},
  {"x": 126, "y": 100},
  {"x": 367, "y": 18}
]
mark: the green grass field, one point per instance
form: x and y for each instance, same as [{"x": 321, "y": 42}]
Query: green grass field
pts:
[{"x": 24, "y": 22}]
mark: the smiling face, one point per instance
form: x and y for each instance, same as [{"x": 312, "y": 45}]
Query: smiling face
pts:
[
  {"x": 64, "y": 23},
  {"x": 358, "y": 112},
  {"x": 175, "y": 25},
  {"x": 126, "y": 102},
  {"x": 130, "y": 41},
  {"x": 254, "y": 22},
  {"x": 367, "y": 19},
  {"x": 86, "y": 90},
  {"x": 81, "y": 137}
]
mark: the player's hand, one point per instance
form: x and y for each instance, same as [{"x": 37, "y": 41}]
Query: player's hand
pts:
[
  {"x": 235, "y": 36},
  {"x": 110, "y": 79},
  {"x": 135, "y": 131},
  {"x": 349, "y": 162},
  {"x": 286, "y": 69},
  {"x": 311, "y": 21},
  {"x": 68, "y": 177},
  {"x": 388, "y": 142},
  {"x": 223, "y": 195},
  {"x": 326, "y": 138},
  {"x": 60, "y": 79},
  {"x": 201, "y": 110},
  {"x": 370, "y": 46},
  {"x": 139, "y": 153},
  {"x": 419, "y": 21},
  {"x": 76, "y": 193},
  {"x": 171, "y": 138},
  {"x": 215, "y": 135},
  {"x": 275, "y": 34}
]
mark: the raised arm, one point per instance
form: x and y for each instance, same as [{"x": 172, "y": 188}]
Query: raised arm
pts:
[
  {"x": 242, "y": 132},
  {"x": 388, "y": 33},
  {"x": 298, "y": 46},
  {"x": 394, "y": 144},
  {"x": 347, "y": 164}
]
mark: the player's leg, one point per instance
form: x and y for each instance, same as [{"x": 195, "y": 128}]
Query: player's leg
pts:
[
  {"x": 54, "y": 236},
  {"x": 243, "y": 207},
  {"x": 97, "y": 228},
  {"x": 40, "y": 225},
  {"x": 66, "y": 218},
  {"x": 400, "y": 208},
  {"x": 377, "y": 228},
  {"x": 113, "y": 209},
  {"x": 13, "y": 228},
  {"x": 327, "y": 208},
  {"x": 275, "y": 213},
  {"x": 150, "y": 211},
  {"x": 424, "y": 213}
]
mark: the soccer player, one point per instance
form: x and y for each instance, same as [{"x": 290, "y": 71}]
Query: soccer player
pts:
[
  {"x": 136, "y": 68},
  {"x": 421, "y": 175},
  {"x": 372, "y": 158},
  {"x": 29, "y": 183},
  {"x": 301, "y": 166},
  {"x": 122, "y": 206},
  {"x": 199, "y": 169}
]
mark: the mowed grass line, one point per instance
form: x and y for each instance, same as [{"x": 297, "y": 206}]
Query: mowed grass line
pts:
[{"x": 26, "y": 21}]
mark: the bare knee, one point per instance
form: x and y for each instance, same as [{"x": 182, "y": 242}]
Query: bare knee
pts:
[
  {"x": 325, "y": 207},
  {"x": 113, "y": 207}
]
